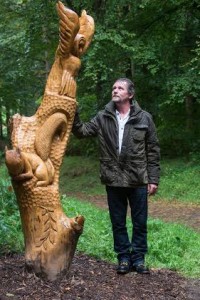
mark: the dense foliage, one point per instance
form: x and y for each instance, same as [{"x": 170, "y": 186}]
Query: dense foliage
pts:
[{"x": 155, "y": 43}]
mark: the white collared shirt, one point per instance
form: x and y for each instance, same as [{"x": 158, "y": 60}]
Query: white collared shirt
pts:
[{"x": 121, "y": 123}]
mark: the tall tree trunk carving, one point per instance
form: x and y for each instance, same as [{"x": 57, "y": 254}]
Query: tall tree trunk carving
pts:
[{"x": 39, "y": 143}]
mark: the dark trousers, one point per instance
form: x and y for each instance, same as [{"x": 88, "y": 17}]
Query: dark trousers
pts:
[{"x": 118, "y": 198}]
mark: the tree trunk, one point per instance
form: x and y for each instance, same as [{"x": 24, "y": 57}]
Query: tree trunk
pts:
[
  {"x": 189, "y": 112},
  {"x": 1, "y": 124},
  {"x": 39, "y": 143},
  {"x": 7, "y": 119}
]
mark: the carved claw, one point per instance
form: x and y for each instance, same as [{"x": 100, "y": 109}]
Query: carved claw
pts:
[
  {"x": 42, "y": 183},
  {"x": 23, "y": 177}
]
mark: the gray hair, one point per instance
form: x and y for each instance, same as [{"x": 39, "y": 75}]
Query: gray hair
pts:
[{"x": 130, "y": 85}]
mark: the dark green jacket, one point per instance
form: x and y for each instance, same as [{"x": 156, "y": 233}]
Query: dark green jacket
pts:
[{"x": 138, "y": 162}]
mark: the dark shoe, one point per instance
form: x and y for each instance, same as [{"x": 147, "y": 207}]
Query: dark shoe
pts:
[
  {"x": 123, "y": 267},
  {"x": 141, "y": 269}
]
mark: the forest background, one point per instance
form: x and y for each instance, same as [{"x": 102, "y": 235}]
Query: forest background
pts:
[{"x": 155, "y": 43}]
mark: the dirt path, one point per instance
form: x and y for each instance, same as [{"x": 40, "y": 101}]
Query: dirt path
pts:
[{"x": 187, "y": 214}]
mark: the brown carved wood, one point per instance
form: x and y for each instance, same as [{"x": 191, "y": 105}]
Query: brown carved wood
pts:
[{"x": 38, "y": 145}]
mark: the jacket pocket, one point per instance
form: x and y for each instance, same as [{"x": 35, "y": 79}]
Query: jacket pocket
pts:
[
  {"x": 107, "y": 170},
  {"x": 139, "y": 132},
  {"x": 137, "y": 173}
]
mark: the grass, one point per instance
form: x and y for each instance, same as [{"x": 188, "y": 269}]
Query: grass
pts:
[
  {"x": 180, "y": 181},
  {"x": 81, "y": 174},
  {"x": 171, "y": 245}
]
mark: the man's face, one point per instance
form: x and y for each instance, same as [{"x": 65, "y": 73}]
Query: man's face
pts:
[{"x": 120, "y": 92}]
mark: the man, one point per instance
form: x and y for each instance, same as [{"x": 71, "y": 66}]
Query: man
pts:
[{"x": 129, "y": 167}]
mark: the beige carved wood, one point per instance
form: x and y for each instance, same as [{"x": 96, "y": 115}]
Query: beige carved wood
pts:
[{"x": 39, "y": 143}]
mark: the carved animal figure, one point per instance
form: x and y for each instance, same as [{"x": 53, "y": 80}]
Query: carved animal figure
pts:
[
  {"x": 75, "y": 37},
  {"x": 50, "y": 236},
  {"x": 23, "y": 166}
]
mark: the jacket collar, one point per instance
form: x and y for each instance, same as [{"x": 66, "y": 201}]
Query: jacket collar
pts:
[{"x": 134, "y": 109}]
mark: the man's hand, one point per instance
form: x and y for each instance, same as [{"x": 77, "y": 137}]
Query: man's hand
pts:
[{"x": 152, "y": 189}]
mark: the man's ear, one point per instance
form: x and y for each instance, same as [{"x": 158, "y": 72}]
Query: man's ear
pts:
[{"x": 131, "y": 96}]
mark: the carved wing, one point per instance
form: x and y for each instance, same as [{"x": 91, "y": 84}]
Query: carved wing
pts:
[
  {"x": 85, "y": 34},
  {"x": 69, "y": 27},
  {"x": 86, "y": 29}
]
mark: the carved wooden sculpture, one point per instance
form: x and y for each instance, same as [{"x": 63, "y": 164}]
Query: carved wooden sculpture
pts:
[{"x": 39, "y": 143}]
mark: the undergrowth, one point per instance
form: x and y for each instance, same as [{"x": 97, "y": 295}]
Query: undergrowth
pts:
[
  {"x": 180, "y": 181},
  {"x": 11, "y": 238}
]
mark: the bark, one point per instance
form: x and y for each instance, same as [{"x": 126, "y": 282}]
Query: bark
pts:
[
  {"x": 1, "y": 124},
  {"x": 7, "y": 119},
  {"x": 189, "y": 112},
  {"x": 39, "y": 144}
]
